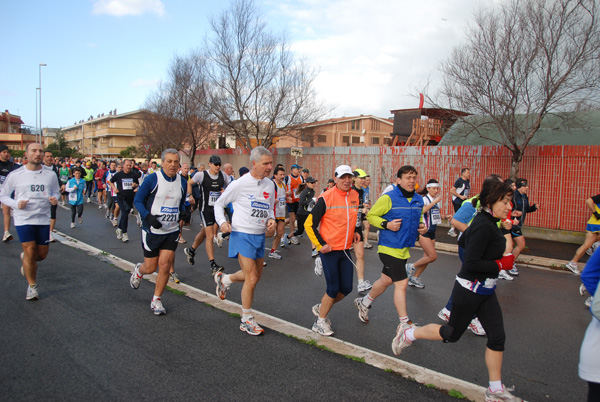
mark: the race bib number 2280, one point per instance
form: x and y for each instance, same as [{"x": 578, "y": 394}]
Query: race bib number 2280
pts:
[{"x": 259, "y": 212}]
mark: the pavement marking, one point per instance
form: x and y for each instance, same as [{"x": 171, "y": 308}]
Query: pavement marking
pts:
[{"x": 420, "y": 374}]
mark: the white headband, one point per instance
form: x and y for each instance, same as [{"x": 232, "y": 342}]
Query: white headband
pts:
[{"x": 429, "y": 185}]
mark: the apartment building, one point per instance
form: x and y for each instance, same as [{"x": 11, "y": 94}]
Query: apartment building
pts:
[
  {"x": 12, "y": 132},
  {"x": 105, "y": 136}
]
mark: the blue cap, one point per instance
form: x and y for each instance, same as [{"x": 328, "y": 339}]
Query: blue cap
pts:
[
  {"x": 243, "y": 170},
  {"x": 294, "y": 166}
]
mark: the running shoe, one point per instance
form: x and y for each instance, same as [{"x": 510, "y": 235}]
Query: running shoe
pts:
[
  {"x": 125, "y": 238},
  {"x": 316, "y": 309},
  {"x": 114, "y": 222},
  {"x": 452, "y": 233},
  {"x": 72, "y": 225},
  {"x": 501, "y": 396},
  {"x": 514, "y": 271},
  {"x": 190, "y": 254},
  {"x": 220, "y": 239},
  {"x": 314, "y": 253},
  {"x": 107, "y": 214},
  {"x": 135, "y": 280},
  {"x": 214, "y": 268},
  {"x": 416, "y": 282},
  {"x": 591, "y": 250},
  {"x": 52, "y": 240},
  {"x": 22, "y": 268},
  {"x": 275, "y": 255},
  {"x": 119, "y": 234},
  {"x": 322, "y": 328},
  {"x": 80, "y": 220},
  {"x": 444, "y": 314},
  {"x": 588, "y": 301},
  {"x": 89, "y": 200},
  {"x": 294, "y": 240},
  {"x": 99, "y": 206},
  {"x": 476, "y": 328},
  {"x": 503, "y": 275},
  {"x": 62, "y": 203},
  {"x": 364, "y": 286},
  {"x": 582, "y": 289},
  {"x": 157, "y": 307},
  {"x": 221, "y": 288},
  {"x": 32, "y": 293},
  {"x": 400, "y": 341},
  {"x": 572, "y": 266},
  {"x": 363, "y": 311},
  {"x": 251, "y": 327},
  {"x": 410, "y": 269},
  {"x": 173, "y": 277},
  {"x": 7, "y": 237},
  {"x": 318, "y": 266},
  {"x": 368, "y": 245},
  {"x": 284, "y": 241},
  {"x": 181, "y": 240}
]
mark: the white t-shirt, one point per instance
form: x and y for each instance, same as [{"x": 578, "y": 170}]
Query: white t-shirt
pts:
[
  {"x": 37, "y": 186},
  {"x": 253, "y": 202},
  {"x": 589, "y": 357}
]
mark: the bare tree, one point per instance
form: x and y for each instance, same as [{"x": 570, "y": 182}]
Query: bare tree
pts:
[
  {"x": 177, "y": 114},
  {"x": 523, "y": 60},
  {"x": 259, "y": 90}
]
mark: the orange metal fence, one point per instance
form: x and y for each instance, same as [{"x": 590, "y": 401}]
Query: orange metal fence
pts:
[{"x": 560, "y": 178}]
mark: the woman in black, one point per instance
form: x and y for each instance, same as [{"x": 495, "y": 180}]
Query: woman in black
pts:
[
  {"x": 306, "y": 196},
  {"x": 474, "y": 288}
]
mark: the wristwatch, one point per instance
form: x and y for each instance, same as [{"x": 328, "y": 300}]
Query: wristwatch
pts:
[{"x": 384, "y": 224}]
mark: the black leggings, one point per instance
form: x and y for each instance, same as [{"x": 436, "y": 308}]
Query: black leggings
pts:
[
  {"x": 593, "y": 392},
  {"x": 125, "y": 206},
  {"x": 89, "y": 188},
  {"x": 300, "y": 229},
  {"x": 465, "y": 304},
  {"x": 76, "y": 210}
]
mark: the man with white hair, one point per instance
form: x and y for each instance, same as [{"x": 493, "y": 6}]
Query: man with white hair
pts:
[{"x": 253, "y": 199}]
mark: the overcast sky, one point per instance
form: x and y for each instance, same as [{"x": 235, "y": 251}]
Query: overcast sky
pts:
[{"x": 107, "y": 54}]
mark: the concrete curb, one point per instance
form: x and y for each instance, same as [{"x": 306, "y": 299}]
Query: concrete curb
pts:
[{"x": 408, "y": 370}]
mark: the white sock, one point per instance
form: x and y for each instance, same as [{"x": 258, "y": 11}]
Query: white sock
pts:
[
  {"x": 404, "y": 320},
  {"x": 155, "y": 298},
  {"x": 495, "y": 386},
  {"x": 367, "y": 300},
  {"x": 410, "y": 334},
  {"x": 226, "y": 280},
  {"x": 246, "y": 314},
  {"x": 321, "y": 320},
  {"x": 360, "y": 281}
]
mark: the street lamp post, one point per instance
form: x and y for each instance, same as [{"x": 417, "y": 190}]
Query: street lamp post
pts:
[
  {"x": 36, "y": 114},
  {"x": 41, "y": 127}
]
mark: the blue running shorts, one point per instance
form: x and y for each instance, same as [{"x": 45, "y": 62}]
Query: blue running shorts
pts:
[
  {"x": 40, "y": 234},
  {"x": 248, "y": 245}
]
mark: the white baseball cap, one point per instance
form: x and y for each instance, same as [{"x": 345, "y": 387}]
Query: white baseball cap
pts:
[{"x": 343, "y": 170}]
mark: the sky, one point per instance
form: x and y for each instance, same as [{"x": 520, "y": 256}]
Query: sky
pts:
[{"x": 102, "y": 55}]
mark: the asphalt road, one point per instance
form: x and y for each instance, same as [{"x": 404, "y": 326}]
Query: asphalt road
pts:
[{"x": 91, "y": 336}]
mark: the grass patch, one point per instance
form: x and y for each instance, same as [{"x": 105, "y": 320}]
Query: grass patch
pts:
[
  {"x": 177, "y": 292},
  {"x": 355, "y": 358},
  {"x": 236, "y": 315},
  {"x": 456, "y": 394},
  {"x": 104, "y": 253},
  {"x": 389, "y": 371},
  {"x": 430, "y": 385}
]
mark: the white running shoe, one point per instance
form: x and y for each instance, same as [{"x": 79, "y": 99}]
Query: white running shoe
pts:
[
  {"x": 294, "y": 240},
  {"x": 284, "y": 241},
  {"x": 444, "y": 314},
  {"x": 119, "y": 234},
  {"x": 400, "y": 341},
  {"x": 452, "y": 232},
  {"x": 32, "y": 293},
  {"x": 174, "y": 277},
  {"x": 322, "y": 328},
  {"x": 364, "y": 286},
  {"x": 363, "y": 311},
  {"x": 591, "y": 250},
  {"x": 89, "y": 200},
  {"x": 251, "y": 327},
  {"x": 416, "y": 282},
  {"x": 275, "y": 255},
  {"x": 514, "y": 271},
  {"x": 80, "y": 220},
  {"x": 99, "y": 206},
  {"x": 501, "y": 396},
  {"x": 316, "y": 309},
  {"x": 582, "y": 289},
  {"x": 114, "y": 222},
  {"x": 72, "y": 225},
  {"x": 588, "y": 301},
  {"x": 221, "y": 290},
  {"x": 7, "y": 236},
  {"x": 157, "y": 307},
  {"x": 220, "y": 240},
  {"x": 573, "y": 267},
  {"x": 314, "y": 253},
  {"x": 410, "y": 269},
  {"x": 125, "y": 238},
  {"x": 476, "y": 328},
  {"x": 318, "y": 266},
  {"x": 135, "y": 280},
  {"x": 503, "y": 275}
]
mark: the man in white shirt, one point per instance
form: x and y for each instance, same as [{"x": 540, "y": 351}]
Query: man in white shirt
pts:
[
  {"x": 253, "y": 198},
  {"x": 35, "y": 190}
]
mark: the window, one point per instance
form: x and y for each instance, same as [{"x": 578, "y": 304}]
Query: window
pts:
[
  {"x": 375, "y": 125},
  {"x": 355, "y": 140},
  {"x": 321, "y": 138},
  {"x": 346, "y": 140},
  {"x": 355, "y": 125},
  {"x": 374, "y": 140}
]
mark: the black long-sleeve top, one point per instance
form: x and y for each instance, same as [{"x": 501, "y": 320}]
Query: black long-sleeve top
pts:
[{"x": 483, "y": 244}]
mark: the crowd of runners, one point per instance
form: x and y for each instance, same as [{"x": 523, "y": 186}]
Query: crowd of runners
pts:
[{"x": 262, "y": 201}]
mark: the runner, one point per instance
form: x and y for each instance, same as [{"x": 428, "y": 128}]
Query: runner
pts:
[
  {"x": 292, "y": 181},
  {"x": 253, "y": 199},
  {"x": 460, "y": 192},
  {"x": 76, "y": 187},
  {"x": 212, "y": 184},
  {"x": 101, "y": 185},
  {"x": 64, "y": 174},
  {"x": 279, "y": 211},
  {"x": 124, "y": 183},
  {"x": 6, "y": 166},
  {"x": 89, "y": 181},
  {"x": 592, "y": 232},
  {"x": 474, "y": 289},
  {"x": 331, "y": 226},
  {"x": 35, "y": 189},
  {"x": 398, "y": 215},
  {"x": 367, "y": 204},
  {"x": 160, "y": 200},
  {"x": 112, "y": 210},
  {"x": 359, "y": 247},
  {"x": 49, "y": 165},
  {"x": 521, "y": 204}
]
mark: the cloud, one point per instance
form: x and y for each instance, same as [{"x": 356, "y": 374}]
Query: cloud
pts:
[
  {"x": 119, "y": 8},
  {"x": 142, "y": 83}
]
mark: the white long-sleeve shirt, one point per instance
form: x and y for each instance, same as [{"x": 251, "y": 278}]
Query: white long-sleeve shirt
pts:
[
  {"x": 253, "y": 202},
  {"x": 37, "y": 186}
]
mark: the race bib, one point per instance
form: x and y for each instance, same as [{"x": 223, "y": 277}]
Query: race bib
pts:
[
  {"x": 64, "y": 178},
  {"x": 281, "y": 201},
  {"x": 127, "y": 184},
  {"x": 358, "y": 216},
  {"x": 296, "y": 193},
  {"x": 37, "y": 191},
  {"x": 170, "y": 217},
  {"x": 259, "y": 213},
  {"x": 213, "y": 196},
  {"x": 73, "y": 196},
  {"x": 2, "y": 178},
  {"x": 436, "y": 218}
]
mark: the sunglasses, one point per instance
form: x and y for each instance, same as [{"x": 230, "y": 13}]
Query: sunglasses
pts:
[{"x": 217, "y": 164}]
